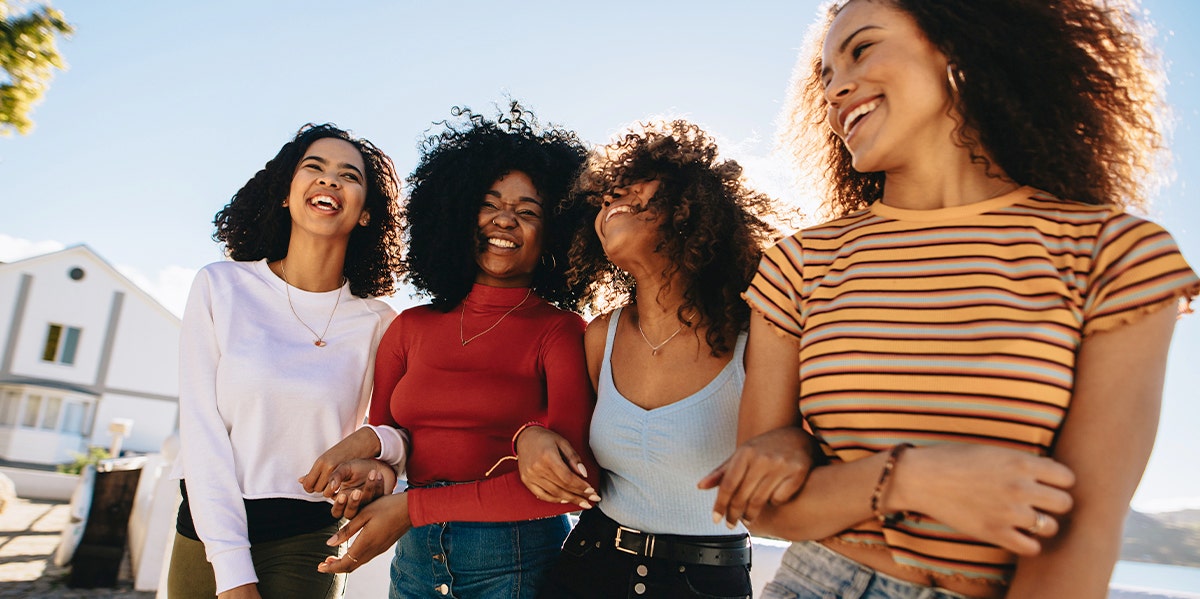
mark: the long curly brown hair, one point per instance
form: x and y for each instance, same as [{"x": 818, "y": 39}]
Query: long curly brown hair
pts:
[
  {"x": 1063, "y": 95},
  {"x": 254, "y": 224},
  {"x": 456, "y": 168},
  {"x": 713, "y": 234}
]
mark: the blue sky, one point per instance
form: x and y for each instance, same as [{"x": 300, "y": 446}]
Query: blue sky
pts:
[{"x": 167, "y": 108}]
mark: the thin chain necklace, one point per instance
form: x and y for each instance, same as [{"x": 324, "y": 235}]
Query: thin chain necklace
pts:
[
  {"x": 287, "y": 288},
  {"x": 464, "y": 314},
  {"x": 654, "y": 348}
]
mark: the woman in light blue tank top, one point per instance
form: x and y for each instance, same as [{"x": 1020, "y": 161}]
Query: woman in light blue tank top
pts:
[{"x": 675, "y": 239}]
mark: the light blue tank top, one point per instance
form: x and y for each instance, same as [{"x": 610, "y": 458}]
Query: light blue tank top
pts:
[{"x": 652, "y": 459}]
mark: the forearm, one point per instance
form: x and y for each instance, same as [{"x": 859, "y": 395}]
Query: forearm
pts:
[
  {"x": 500, "y": 499},
  {"x": 835, "y": 497}
]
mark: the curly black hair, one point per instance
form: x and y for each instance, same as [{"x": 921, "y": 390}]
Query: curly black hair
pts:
[
  {"x": 1063, "y": 95},
  {"x": 713, "y": 234},
  {"x": 457, "y": 167},
  {"x": 255, "y": 225}
]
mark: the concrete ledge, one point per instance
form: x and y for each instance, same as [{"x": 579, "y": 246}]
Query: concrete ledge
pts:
[{"x": 36, "y": 484}]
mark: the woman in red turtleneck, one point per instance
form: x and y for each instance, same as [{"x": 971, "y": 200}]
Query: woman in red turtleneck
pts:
[{"x": 496, "y": 350}]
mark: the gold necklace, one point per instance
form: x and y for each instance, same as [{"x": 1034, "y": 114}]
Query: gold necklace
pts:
[
  {"x": 654, "y": 348},
  {"x": 320, "y": 339},
  {"x": 464, "y": 314}
]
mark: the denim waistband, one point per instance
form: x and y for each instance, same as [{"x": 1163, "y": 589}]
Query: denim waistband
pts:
[{"x": 810, "y": 563}]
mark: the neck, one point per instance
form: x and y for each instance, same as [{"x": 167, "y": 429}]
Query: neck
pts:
[
  {"x": 658, "y": 303},
  {"x": 312, "y": 268},
  {"x": 945, "y": 180}
]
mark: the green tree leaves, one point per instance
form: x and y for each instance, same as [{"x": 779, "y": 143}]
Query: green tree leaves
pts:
[{"x": 28, "y": 55}]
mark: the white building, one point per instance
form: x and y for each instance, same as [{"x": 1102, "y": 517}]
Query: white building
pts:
[{"x": 81, "y": 345}]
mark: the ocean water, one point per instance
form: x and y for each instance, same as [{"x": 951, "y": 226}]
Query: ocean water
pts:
[{"x": 1184, "y": 582}]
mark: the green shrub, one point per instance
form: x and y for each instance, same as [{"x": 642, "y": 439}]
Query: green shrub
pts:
[{"x": 94, "y": 455}]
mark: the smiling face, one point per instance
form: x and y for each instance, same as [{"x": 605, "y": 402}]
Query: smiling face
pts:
[
  {"x": 626, "y": 228},
  {"x": 511, "y": 223},
  {"x": 886, "y": 87},
  {"x": 328, "y": 192}
]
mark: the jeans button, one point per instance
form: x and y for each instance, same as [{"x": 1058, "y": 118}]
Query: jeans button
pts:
[
  {"x": 642, "y": 570},
  {"x": 639, "y": 588},
  {"x": 443, "y": 589}
]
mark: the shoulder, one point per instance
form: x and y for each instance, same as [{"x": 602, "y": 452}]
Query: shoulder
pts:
[
  {"x": 228, "y": 275},
  {"x": 556, "y": 318}
]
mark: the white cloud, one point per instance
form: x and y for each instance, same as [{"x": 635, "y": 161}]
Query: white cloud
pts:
[
  {"x": 14, "y": 248},
  {"x": 169, "y": 286}
]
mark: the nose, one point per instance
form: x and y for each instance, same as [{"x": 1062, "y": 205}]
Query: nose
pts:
[
  {"x": 328, "y": 181},
  {"x": 838, "y": 89},
  {"x": 505, "y": 219}
]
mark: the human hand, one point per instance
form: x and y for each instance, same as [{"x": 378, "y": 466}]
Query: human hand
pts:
[
  {"x": 771, "y": 467},
  {"x": 356, "y": 483},
  {"x": 551, "y": 468},
  {"x": 378, "y": 525},
  {"x": 991, "y": 493},
  {"x": 246, "y": 591},
  {"x": 362, "y": 443}
]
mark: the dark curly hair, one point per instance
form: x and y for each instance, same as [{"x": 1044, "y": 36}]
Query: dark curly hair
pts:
[
  {"x": 255, "y": 225},
  {"x": 456, "y": 168},
  {"x": 1063, "y": 95},
  {"x": 713, "y": 233}
]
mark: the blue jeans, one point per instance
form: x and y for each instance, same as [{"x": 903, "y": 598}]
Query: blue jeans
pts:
[
  {"x": 810, "y": 570},
  {"x": 476, "y": 560}
]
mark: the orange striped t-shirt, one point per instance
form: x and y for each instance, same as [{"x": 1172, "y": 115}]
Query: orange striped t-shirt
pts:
[{"x": 957, "y": 325}]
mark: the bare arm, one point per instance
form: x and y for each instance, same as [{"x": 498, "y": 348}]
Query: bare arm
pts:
[
  {"x": 774, "y": 455},
  {"x": 955, "y": 484},
  {"x": 1106, "y": 440},
  {"x": 550, "y": 467}
]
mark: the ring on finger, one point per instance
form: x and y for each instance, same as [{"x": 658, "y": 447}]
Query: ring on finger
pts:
[
  {"x": 352, "y": 558},
  {"x": 1040, "y": 522}
]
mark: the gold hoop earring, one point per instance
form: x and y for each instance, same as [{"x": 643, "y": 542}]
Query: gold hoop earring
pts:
[
  {"x": 953, "y": 75},
  {"x": 553, "y": 262}
]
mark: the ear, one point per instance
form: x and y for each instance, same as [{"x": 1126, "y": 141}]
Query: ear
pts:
[
  {"x": 285, "y": 203},
  {"x": 364, "y": 219}
]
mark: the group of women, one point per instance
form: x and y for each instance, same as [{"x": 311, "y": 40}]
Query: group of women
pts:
[{"x": 948, "y": 389}]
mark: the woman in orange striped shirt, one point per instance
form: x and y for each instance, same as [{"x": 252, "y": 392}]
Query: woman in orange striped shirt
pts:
[{"x": 978, "y": 339}]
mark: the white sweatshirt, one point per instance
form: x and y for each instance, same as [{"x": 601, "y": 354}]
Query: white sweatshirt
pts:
[{"x": 258, "y": 401}]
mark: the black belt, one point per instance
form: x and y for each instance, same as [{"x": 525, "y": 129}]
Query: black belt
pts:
[{"x": 731, "y": 550}]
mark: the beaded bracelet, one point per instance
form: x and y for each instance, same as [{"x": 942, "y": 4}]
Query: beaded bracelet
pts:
[{"x": 881, "y": 486}]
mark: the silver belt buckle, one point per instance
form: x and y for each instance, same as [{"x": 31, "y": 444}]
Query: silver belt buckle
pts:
[{"x": 623, "y": 529}]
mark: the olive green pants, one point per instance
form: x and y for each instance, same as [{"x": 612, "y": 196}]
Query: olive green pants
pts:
[{"x": 286, "y": 568}]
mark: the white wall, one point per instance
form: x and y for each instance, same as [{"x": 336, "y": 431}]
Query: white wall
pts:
[
  {"x": 145, "y": 353},
  {"x": 10, "y": 283},
  {"x": 153, "y": 421}
]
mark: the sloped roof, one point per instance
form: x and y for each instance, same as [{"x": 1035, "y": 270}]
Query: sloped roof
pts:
[{"x": 82, "y": 249}]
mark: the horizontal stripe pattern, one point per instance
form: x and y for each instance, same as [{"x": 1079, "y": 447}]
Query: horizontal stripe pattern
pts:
[{"x": 956, "y": 330}]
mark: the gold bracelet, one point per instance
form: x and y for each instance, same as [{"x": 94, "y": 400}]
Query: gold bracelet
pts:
[{"x": 891, "y": 519}]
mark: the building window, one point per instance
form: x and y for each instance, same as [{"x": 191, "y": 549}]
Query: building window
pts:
[
  {"x": 50, "y": 415},
  {"x": 33, "y": 406},
  {"x": 61, "y": 344},
  {"x": 9, "y": 406},
  {"x": 75, "y": 417}
]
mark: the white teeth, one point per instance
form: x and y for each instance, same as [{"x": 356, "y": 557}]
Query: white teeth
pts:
[
  {"x": 862, "y": 110},
  {"x": 502, "y": 243},
  {"x": 615, "y": 210},
  {"x": 325, "y": 201}
]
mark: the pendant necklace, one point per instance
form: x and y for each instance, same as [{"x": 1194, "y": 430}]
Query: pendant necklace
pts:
[
  {"x": 654, "y": 348},
  {"x": 320, "y": 339},
  {"x": 463, "y": 315}
]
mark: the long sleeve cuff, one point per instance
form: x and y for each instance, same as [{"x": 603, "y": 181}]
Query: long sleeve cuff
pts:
[
  {"x": 393, "y": 446},
  {"x": 233, "y": 568}
]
